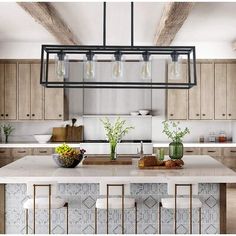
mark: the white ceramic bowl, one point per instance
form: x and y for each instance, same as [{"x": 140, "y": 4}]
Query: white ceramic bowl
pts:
[
  {"x": 134, "y": 113},
  {"x": 42, "y": 138},
  {"x": 143, "y": 112}
]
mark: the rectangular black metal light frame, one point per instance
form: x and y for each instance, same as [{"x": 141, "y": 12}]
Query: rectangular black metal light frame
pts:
[{"x": 188, "y": 51}]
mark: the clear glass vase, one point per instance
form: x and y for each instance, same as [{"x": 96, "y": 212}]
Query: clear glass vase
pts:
[
  {"x": 113, "y": 154},
  {"x": 176, "y": 150}
]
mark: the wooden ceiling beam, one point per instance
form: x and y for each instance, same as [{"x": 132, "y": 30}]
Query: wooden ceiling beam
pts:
[
  {"x": 46, "y": 15},
  {"x": 173, "y": 17}
]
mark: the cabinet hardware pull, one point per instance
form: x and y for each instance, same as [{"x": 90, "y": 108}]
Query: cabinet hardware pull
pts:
[
  {"x": 197, "y": 114},
  {"x": 60, "y": 115},
  {"x": 188, "y": 151},
  {"x": 223, "y": 114},
  {"x": 42, "y": 151},
  {"x": 2, "y": 115},
  {"x": 33, "y": 114},
  {"x": 229, "y": 114},
  {"x": 211, "y": 151},
  {"x": 2, "y": 151},
  {"x": 27, "y": 115},
  {"x": 6, "y": 114},
  {"x": 21, "y": 151},
  {"x": 232, "y": 151},
  {"x": 203, "y": 114},
  {"x": 171, "y": 114}
]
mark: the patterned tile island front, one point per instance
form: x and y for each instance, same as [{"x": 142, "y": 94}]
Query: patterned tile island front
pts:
[{"x": 80, "y": 187}]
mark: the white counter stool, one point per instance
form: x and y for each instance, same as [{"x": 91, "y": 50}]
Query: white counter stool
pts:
[
  {"x": 186, "y": 201},
  {"x": 43, "y": 195},
  {"x": 115, "y": 198}
]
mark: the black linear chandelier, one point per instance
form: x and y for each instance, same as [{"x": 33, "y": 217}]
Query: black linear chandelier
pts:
[{"x": 146, "y": 80}]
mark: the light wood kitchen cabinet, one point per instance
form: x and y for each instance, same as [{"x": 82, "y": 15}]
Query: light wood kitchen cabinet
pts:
[
  {"x": 231, "y": 88},
  {"x": 43, "y": 151},
  {"x": 177, "y": 99},
  {"x": 18, "y": 153},
  {"x": 194, "y": 98},
  {"x": 207, "y": 91},
  {"x": 8, "y": 83},
  {"x": 220, "y": 91},
  {"x": 30, "y": 99},
  {"x": 192, "y": 151},
  {"x": 5, "y": 156},
  {"x": 54, "y": 99}
]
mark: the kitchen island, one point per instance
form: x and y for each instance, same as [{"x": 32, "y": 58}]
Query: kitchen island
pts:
[{"x": 80, "y": 186}]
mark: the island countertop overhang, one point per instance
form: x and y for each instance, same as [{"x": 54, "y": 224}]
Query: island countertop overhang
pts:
[{"x": 198, "y": 168}]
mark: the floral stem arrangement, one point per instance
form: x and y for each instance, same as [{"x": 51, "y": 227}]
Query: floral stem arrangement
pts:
[
  {"x": 7, "y": 130},
  {"x": 176, "y": 134},
  {"x": 115, "y": 132},
  {"x": 67, "y": 156}
]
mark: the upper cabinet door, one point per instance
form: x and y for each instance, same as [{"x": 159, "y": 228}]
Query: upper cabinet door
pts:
[
  {"x": 54, "y": 99},
  {"x": 178, "y": 99},
  {"x": 10, "y": 92},
  {"x": 231, "y": 91},
  {"x": 24, "y": 91},
  {"x": 220, "y": 91},
  {"x": 36, "y": 105},
  {"x": 194, "y": 99},
  {"x": 2, "y": 91},
  {"x": 207, "y": 91}
]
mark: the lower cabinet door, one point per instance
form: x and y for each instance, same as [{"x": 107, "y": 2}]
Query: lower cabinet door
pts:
[
  {"x": 42, "y": 151},
  {"x": 18, "y": 153}
]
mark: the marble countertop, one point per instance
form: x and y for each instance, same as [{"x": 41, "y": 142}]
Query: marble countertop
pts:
[
  {"x": 76, "y": 145},
  {"x": 197, "y": 168}
]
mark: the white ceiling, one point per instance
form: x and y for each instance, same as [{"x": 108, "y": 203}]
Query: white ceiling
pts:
[{"x": 208, "y": 22}]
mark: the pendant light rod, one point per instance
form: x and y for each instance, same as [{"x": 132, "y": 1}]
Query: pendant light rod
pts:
[
  {"x": 104, "y": 23},
  {"x": 132, "y": 24}
]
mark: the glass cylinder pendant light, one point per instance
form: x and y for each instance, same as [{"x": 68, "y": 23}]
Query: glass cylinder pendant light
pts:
[
  {"x": 61, "y": 66},
  {"x": 89, "y": 66},
  {"x": 117, "y": 66},
  {"x": 175, "y": 67},
  {"x": 146, "y": 67}
]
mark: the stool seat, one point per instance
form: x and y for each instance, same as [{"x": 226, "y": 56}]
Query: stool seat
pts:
[
  {"x": 115, "y": 203},
  {"x": 43, "y": 203},
  {"x": 182, "y": 203}
]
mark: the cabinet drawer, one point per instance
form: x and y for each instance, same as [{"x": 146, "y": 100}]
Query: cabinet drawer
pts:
[
  {"x": 5, "y": 160},
  {"x": 192, "y": 151},
  {"x": 5, "y": 152},
  {"x": 42, "y": 151},
  {"x": 230, "y": 162},
  {"x": 229, "y": 152},
  {"x": 214, "y": 152},
  {"x": 17, "y": 153}
]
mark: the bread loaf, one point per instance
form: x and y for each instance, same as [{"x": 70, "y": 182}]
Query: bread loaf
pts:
[{"x": 147, "y": 161}]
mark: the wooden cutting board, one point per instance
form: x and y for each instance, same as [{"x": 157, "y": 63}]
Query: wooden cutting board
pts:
[
  {"x": 105, "y": 160},
  {"x": 160, "y": 168},
  {"x": 67, "y": 134}
]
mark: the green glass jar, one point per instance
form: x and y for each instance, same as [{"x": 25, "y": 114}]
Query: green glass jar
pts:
[{"x": 176, "y": 150}]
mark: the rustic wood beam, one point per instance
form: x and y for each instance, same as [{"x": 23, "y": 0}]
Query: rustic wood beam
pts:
[
  {"x": 46, "y": 15},
  {"x": 173, "y": 17}
]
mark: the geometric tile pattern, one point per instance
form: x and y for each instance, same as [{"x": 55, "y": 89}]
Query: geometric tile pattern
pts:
[{"x": 82, "y": 199}]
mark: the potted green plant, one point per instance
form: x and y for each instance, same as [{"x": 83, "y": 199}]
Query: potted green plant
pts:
[
  {"x": 115, "y": 132},
  {"x": 7, "y": 130},
  {"x": 176, "y": 134}
]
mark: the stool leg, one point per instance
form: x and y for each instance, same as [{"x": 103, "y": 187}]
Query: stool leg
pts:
[
  {"x": 123, "y": 213},
  {"x": 49, "y": 211},
  {"x": 96, "y": 218},
  {"x": 107, "y": 209},
  {"x": 136, "y": 218},
  {"x": 159, "y": 217},
  {"x": 175, "y": 210},
  {"x": 67, "y": 218},
  {"x": 34, "y": 211},
  {"x": 200, "y": 221},
  {"x": 27, "y": 221},
  {"x": 191, "y": 210}
]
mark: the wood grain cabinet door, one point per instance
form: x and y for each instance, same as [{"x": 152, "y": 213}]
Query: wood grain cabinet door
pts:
[
  {"x": 207, "y": 91},
  {"x": 231, "y": 91},
  {"x": 194, "y": 99},
  {"x": 24, "y": 91},
  {"x": 36, "y": 92},
  {"x": 2, "y": 92},
  {"x": 54, "y": 99},
  {"x": 10, "y": 91},
  {"x": 18, "y": 153},
  {"x": 177, "y": 99},
  {"x": 220, "y": 92},
  {"x": 5, "y": 156}
]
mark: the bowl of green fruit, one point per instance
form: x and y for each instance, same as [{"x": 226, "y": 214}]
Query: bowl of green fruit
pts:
[{"x": 68, "y": 157}]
